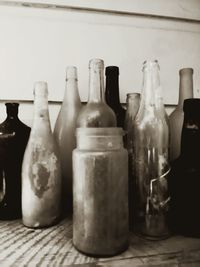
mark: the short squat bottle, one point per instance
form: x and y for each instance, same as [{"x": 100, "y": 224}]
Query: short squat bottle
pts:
[
  {"x": 112, "y": 94},
  {"x": 176, "y": 117},
  {"x": 96, "y": 113},
  {"x": 100, "y": 190},
  {"x": 41, "y": 174},
  {"x": 185, "y": 175},
  {"x": 151, "y": 159},
  {"x": 13, "y": 140},
  {"x": 64, "y": 133}
]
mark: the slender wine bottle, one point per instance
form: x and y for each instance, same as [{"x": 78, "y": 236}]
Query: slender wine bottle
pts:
[
  {"x": 13, "y": 140},
  {"x": 112, "y": 94},
  {"x": 185, "y": 175},
  {"x": 151, "y": 161},
  {"x": 96, "y": 113},
  {"x": 176, "y": 117},
  {"x": 41, "y": 174},
  {"x": 64, "y": 133}
]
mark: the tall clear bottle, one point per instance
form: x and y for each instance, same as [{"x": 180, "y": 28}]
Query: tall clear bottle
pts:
[
  {"x": 112, "y": 94},
  {"x": 41, "y": 173},
  {"x": 133, "y": 103},
  {"x": 151, "y": 161},
  {"x": 176, "y": 117},
  {"x": 96, "y": 113},
  {"x": 64, "y": 133}
]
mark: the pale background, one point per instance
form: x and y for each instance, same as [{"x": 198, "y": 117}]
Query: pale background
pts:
[{"x": 39, "y": 40}]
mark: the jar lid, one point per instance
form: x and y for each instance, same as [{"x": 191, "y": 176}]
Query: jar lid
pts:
[{"x": 109, "y": 131}]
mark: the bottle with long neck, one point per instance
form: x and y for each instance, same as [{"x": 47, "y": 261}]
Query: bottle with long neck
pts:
[
  {"x": 112, "y": 94},
  {"x": 176, "y": 117},
  {"x": 64, "y": 133},
  {"x": 185, "y": 175},
  {"x": 41, "y": 174},
  {"x": 96, "y": 113},
  {"x": 14, "y": 136},
  {"x": 151, "y": 163}
]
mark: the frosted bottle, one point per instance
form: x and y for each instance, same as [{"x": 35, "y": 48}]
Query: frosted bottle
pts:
[
  {"x": 96, "y": 113},
  {"x": 64, "y": 133},
  {"x": 41, "y": 173},
  {"x": 177, "y": 116}
]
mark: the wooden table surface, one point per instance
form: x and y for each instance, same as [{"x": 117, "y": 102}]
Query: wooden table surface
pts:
[{"x": 20, "y": 246}]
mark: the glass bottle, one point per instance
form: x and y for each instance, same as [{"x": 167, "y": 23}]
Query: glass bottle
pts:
[
  {"x": 96, "y": 113},
  {"x": 13, "y": 140},
  {"x": 41, "y": 174},
  {"x": 64, "y": 133},
  {"x": 112, "y": 94},
  {"x": 100, "y": 168},
  {"x": 185, "y": 175},
  {"x": 133, "y": 102},
  {"x": 151, "y": 162},
  {"x": 176, "y": 117}
]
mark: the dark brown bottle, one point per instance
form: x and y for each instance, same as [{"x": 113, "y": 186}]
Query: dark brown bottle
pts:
[
  {"x": 112, "y": 94},
  {"x": 13, "y": 140},
  {"x": 185, "y": 175}
]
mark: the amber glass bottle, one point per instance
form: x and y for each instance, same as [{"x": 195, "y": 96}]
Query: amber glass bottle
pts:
[
  {"x": 64, "y": 133},
  {"x": 41, "y": 172},
  {"x": 112, "y": 94},
  {"x": 176, "y": 117},
  {"x": 13, "y": 140},
  {"x": 151, "y": 159},
  {"x": 185, "y": 175},
  {"x": 96, "y": 113}
]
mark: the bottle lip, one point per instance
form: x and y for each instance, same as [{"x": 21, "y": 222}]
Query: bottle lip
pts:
[
  {"x": 112, "y": 70},
  {"x": 133, "y": 95},
  {"x": 100, "y": 132},
  {"x": 96, "y": 63},
  {"x": 148, "y": 64},
  {"x": 186, "y": 71},
  {"x": 71, "y": 73},
  {"x": 40, "y": 88},
  {"x": 12, "y": 104}
]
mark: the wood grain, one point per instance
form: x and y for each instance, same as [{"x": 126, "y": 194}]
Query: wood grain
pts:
[{"x": 21, "y": 246}]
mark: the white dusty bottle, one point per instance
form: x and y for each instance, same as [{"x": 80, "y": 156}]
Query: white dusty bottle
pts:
[
  {"x": 41, "y": 172},
  {"x": 64, "y": 133}
]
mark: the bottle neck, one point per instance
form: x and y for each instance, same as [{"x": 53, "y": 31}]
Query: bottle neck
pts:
[
  {"x": 112, "y": 91},
  {"x": 151, "y": 95},
  {"x": 185, "y": 86},
  {"x": 71, "y": 95},
  {"x": 41, "y": 111},
  {"x": 190, "y": 138},
  {"x": 133, "y": 103},
  {"x": 12, "y": 111},
  {"x": 96, "y": 86}
]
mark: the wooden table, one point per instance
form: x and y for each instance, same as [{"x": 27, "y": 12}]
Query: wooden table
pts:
[{"x": 20, "y": 246}]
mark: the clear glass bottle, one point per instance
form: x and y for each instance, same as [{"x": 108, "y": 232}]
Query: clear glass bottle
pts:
[
  {"x": 64, "y": 133},
  {"x": 176, "y": 117},
  {"x": 96, "y": 113},
  {"x": 185, "y": 175},
  {"x": 133, "y": 103},
  {"x": 41, "y": 171},
  {"x": 14, "y": 136},
  {"x": 112, "y": 94},
  {"x": 100, "y": 172},
  {"x": 151, "y": 159}
]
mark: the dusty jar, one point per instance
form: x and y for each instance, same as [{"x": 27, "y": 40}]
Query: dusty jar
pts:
[{"x": 100, "y": 190}]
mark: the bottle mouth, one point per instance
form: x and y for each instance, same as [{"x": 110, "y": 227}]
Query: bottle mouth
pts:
[
  {"x": 96, "y": 63},
  {"x": 149, "y": 64},
  {"x": 112, "y": 70},
  {"x": 71, "y": 73},
  {"x": 40, "y": 88},
  {"x": 186, "y": 71},
  {"x": 132, "y": 95}
]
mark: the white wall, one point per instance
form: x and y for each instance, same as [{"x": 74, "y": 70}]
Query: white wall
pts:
[{"x": 38, "y": 42}]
